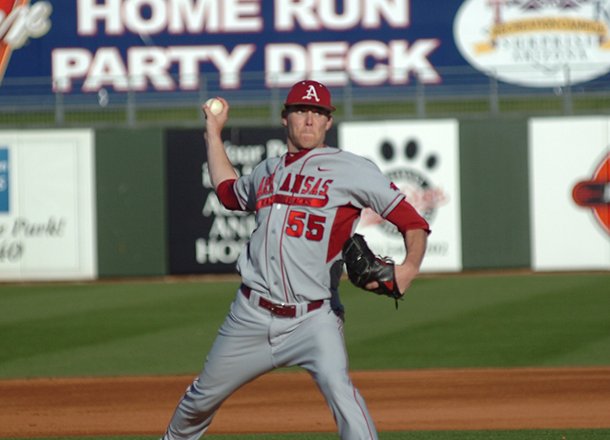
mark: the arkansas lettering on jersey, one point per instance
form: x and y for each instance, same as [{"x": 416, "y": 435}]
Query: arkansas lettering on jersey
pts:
[{"x": 297, "y": 189}]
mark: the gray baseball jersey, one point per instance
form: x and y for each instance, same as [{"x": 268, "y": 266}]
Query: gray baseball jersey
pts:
[{"x": 305, "y": 209}]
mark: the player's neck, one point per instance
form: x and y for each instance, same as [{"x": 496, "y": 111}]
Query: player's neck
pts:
[
  {"x": 292, "y": 149},
  {"x": 292, "y": 157}
]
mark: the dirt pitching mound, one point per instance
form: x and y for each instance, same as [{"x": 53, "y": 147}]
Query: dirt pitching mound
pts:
[{"x": 465, "y": 399}]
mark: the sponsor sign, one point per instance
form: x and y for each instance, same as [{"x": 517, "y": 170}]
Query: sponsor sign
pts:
[
  {"x": 91, "y": 46},
  {"x": 168, "y": 45},
  {"x": 4, "y": 180},
  {"x": 20, "y": 21},
  {"x": 536, "y": 43},
  {"x": 47, "y": 210},
  {"x": 422, "y": 159},
  {"x": 570, "y": 203}
]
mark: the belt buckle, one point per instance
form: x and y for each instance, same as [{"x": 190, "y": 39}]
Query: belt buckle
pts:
[{"x": 283, "y": 309}]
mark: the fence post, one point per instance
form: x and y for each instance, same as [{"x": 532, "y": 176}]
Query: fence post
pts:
[
  {"x": 60, "y": 114},
  {"x": 276, "y": 105},
  {"x": 494, "y": 102},
  {"x": 348, "y": 101},
  {"x": 203, "y": 94},
  {"x": 568, "y": 107},
  {"x": 131, "y": 104},
  {"x": 420, "y": 98}
]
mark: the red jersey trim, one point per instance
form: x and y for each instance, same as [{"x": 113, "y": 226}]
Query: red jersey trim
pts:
[
  {"x": 341, "y": 229},
  {"x": 405, "y": 217},
  {"x": 227, "y": 196},
  {"x": 293, "y": 157}
]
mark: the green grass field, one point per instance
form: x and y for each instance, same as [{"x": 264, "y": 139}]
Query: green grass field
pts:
[{"x": 166, "y": 327}]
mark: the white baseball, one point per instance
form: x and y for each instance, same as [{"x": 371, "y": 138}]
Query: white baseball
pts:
[{"x": 215, "y": 105}]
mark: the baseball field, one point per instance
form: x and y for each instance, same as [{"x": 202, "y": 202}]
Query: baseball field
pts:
[{"x": 508, "y": 355}]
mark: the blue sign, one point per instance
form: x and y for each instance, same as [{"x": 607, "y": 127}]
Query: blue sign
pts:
[
  {"x": 177, "y": 45},
  {"x": 88, "y": 45},
  {"x": 4, "y": 180}
]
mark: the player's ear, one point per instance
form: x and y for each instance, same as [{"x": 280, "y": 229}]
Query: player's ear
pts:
[{"x": 284, "y": 116}]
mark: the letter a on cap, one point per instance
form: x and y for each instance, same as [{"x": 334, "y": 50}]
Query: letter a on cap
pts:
[{"x": 311, "y": 93}]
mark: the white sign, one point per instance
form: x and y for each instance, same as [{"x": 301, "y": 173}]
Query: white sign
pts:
[
  {"x": 543, "y": 43},
  {"x": 567, "y": 191},
  {"x": 422, "y": 159},
  {"x": 47, "y": 209}
]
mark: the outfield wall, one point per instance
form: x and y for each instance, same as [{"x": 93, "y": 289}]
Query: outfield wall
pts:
[
  {"x": 510, "y": 193},
  {"x": 131, "y": 202},
  {"x": 495, "y": 199}
]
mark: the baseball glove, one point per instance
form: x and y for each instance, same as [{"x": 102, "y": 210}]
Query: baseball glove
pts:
[{"x": 364, "y": 267}]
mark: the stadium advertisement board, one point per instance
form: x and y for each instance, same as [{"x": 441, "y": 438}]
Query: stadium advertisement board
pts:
[
  {"x": 165, "y": 44},
  {"x": 47, "y": 205},
  {"x": 541, "y": 43},
  {"x": 422, "y": 159},
  {"x": 168, "y": 45},
  {"x": 570, "y": 193}
]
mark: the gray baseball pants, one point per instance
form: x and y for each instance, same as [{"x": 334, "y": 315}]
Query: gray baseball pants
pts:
[{"x": 251, "y": 342}]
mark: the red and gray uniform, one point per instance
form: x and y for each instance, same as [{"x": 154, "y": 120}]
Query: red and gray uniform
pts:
[
  {"x": 306, "y": 206},
  {"x": 286, "y": 312}
]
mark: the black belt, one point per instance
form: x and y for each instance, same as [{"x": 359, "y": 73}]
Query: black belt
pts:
[{"x": 283, "y": 310}]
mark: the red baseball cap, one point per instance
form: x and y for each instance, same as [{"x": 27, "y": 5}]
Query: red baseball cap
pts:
[{"x": 309, "y": 92}]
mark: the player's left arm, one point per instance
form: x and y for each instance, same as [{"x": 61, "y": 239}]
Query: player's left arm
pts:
[
  {"x": 414, "y": 229},
  {"x": 381, "y": 195},
  {"x": 415, "y": 243}
]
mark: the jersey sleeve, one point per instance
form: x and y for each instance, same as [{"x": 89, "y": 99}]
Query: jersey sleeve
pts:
[
  {"x": 405, "y": 217},
  {"x": 372, "y": 189},
  {"x": 227, "y": 196},
  {"x": 247, "y": 186},
  {"x": 244, "y": 193}
]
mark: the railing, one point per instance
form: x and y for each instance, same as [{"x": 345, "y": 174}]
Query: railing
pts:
[{"x": 31, "y": 102}]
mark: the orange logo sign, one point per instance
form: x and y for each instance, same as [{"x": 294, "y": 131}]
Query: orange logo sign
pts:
[
  {"x": 20, "y": 21},
  {"x": 595, "y": 193}
]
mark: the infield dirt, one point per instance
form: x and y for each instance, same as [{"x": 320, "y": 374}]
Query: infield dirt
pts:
[{"x": 466, "y": 399}]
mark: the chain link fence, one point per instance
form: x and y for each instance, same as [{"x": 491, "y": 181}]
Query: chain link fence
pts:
[{"x": 463, "y": 92}]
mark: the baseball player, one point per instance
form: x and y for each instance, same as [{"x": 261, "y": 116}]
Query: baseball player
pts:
[{"x": 287, "y": 311}]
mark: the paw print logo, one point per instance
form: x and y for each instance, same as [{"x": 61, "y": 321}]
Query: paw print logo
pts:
[
  {"x": 410, "y": 168},
  {"x": 411, "y": 153}
]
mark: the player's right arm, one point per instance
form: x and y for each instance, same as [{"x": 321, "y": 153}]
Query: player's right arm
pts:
[{"x": 219, "y": 165}]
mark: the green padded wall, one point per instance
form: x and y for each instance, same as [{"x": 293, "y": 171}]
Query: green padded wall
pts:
[
  {"x": 494, "y": 192},
  {"x": 131, "y": 224}
]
